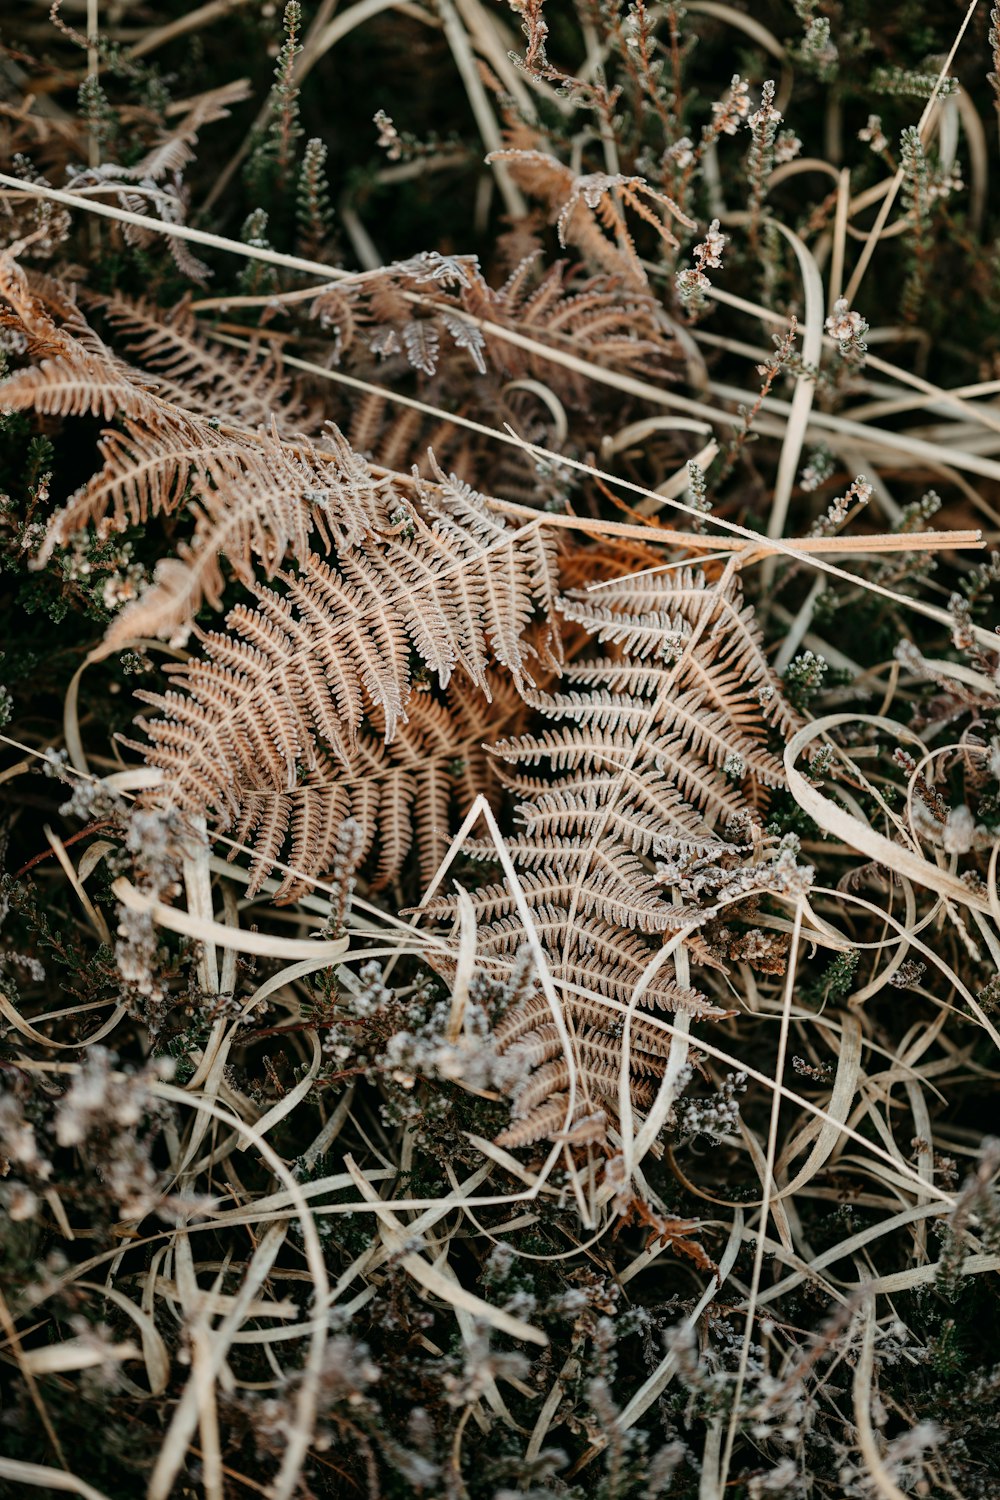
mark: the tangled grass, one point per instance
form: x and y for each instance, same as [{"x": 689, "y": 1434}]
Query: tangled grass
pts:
[{"x": 278, "y": 1218}]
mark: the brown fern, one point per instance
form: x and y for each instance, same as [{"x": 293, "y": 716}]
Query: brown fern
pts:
[
  {"x": 591, "y": 207},
  {"x": 605, "y": 318},
  {"x": 76, "y": 374},
  {"x": 192, "y": 373},
  {"x": 307, "y": 710},
  {"x": 659, "y": 751},
  {"x": 256, "y": 501},
  {"x": 404, "y": 794},
  {"x": 297, "y": 675}
]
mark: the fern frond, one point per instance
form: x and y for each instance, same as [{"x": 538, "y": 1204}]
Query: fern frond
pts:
[
  {"x": 403, "y": 794},
  {"x": 297, "y": 674},
  {"x": 729, "y": 648},
  {"x": 543, "y": 1124},
  {"x": 520, "y": 1024},
  {"x": 651, "y": 749},
  {"x": 257, "y": 502},
  {"x": 196, "y": 375},
  {"x": 75, "y": 387}
]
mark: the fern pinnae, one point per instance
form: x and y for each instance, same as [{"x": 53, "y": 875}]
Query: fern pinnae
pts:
[
  {"x": 193, "y": 373},
  {"x": 75, "y": 385},
  {"x": 632, "y": 768},
  {"x": 299, "y": 669},
  {"x": 258, "y": 501},
  {"x": 399, "y": 794},
  {"x": 542, "y": 1125},
  {"x": 653, "y": 812}
]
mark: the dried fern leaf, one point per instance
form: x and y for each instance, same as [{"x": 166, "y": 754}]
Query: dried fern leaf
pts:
[
  {"x": 196, "y": 375},
  {"x": 75, "y": 387},
  {"x": 296, "y": 675},
  {"x": 257, "y": 502},
  {"x": 403, "y": 795},
  {"x": 650, "y": 751}
]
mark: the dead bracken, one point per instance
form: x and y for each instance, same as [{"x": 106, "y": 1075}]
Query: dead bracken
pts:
[{"x": 500, "y": 708}]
